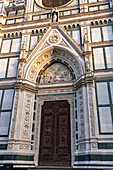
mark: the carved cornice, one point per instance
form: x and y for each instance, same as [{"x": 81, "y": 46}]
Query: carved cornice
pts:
[
  {"x": 89, "y": 79},
  {"x": 87, "y": 53},
  {"x": 26, "y": 87},
  {"x": 35, "y": 87},
  {"x": 82, "y": 82}
]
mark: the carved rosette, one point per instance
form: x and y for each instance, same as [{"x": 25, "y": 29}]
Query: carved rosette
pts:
[
  {"x": 26, "y": 123},
  {"x": 81, "y": 114},
  {"x": 48, "y": 57},
  {"x": 54, "y": 38},
  {"x": 82, "y": 146},
  {"x": 24, "y": 147}
]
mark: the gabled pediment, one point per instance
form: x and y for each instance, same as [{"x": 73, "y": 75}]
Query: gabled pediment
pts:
[
  {"x": 56, "y": 36},
  {"x": 56, "y": 45}
]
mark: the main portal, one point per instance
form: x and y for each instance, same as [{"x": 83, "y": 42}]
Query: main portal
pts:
[{"x": 55, "y": 143}]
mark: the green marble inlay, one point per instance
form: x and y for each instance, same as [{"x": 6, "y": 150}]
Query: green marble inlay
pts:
[
  {"x": 105, "y": 145},
  {"x": 17, "y": 157},
  {"x": 3, "y": 147},
  {"x": 94, "y": 158}
]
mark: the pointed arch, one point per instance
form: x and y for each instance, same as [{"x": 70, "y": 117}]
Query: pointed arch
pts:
[{"x": 35, "y": 66}]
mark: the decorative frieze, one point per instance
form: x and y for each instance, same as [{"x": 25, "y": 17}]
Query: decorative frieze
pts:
[
  {"x": 81, "y": 114},
  {"x": 15, "y": 145},
  {"x": 19, "y": 20},
  {"x": 10, "y": 21},
  {"x": 91, "y": 109},
  {"x": 27, "y": 115},
  {"x": 48, "y": 57},
  {"x": 36, "y": 17}
]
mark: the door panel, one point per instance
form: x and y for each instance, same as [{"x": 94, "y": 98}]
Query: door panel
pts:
[{"x": 55, "y": 134}]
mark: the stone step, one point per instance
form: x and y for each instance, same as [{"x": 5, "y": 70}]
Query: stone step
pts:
[
  {"x": 51, "y": 168},
  {"x": 46, "y": 168}
]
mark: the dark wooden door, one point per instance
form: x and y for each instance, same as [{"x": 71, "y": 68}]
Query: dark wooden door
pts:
[{"x": 55, "y": 145}]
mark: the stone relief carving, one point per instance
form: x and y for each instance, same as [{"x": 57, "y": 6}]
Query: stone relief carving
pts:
[
  {"x": 45, "y": 45},
  {"x": 91, "y": 110},
  {"x": 26, "y": 124},
  {"x": 82, "y": 146},
  {"x": 94, "y": 145},
  {"x": 56, "y": 73},
  {"x": 63, "y": 43},
  {"x": 81, "y": 114},
  {"x": 20, "y": 73},
  {"x": 10, "y": 146},
  {"x": 87, "y": 64},
  {"x": 50, "y": 55},
  {"x": 53, "y": 39},
  {"x": 24, "y": 147}
]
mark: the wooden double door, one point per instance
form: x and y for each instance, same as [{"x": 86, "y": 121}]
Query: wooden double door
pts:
[{"x": 55, "y": 144}]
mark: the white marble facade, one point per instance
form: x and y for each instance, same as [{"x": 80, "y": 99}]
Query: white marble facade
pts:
[{"x": 41, "y": 60}]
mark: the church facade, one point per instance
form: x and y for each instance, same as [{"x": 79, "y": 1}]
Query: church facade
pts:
[{"x": 56, "y": 84}]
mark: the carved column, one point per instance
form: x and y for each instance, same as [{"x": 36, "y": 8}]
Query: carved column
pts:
[
  {"x": 21, "y": 125},
  {"x": 81, "y": 111},
  {"x": 23, "y": 53},
  {"x": 13, "y": 131},
  {"x": 87, "y": 52},
  {"x": 92, "y": 117}
]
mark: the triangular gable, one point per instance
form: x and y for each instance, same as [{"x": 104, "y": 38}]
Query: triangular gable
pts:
[{"x": 56, "y": 36}]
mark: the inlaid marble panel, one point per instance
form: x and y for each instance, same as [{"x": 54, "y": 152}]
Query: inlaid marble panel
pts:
[
  {"x": 107, "y": 33},
  {"x": 4, "y": 122},
  {"x": 96, "y": 34},
  {"x": 76, "y": 36},
  {"x": 6, "y": 46},
  {"x": 12, "y": 69},
  {"x": 98, "y": 58},
  {"x": 109, "y": 56},
  {"x": 16, "y": 45},
  {"x": 3, "y": 67},
  {"x": 7, "y": 100},
  {"x": 105, "y": 120},
  {"x": 102, "y": 93}
]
